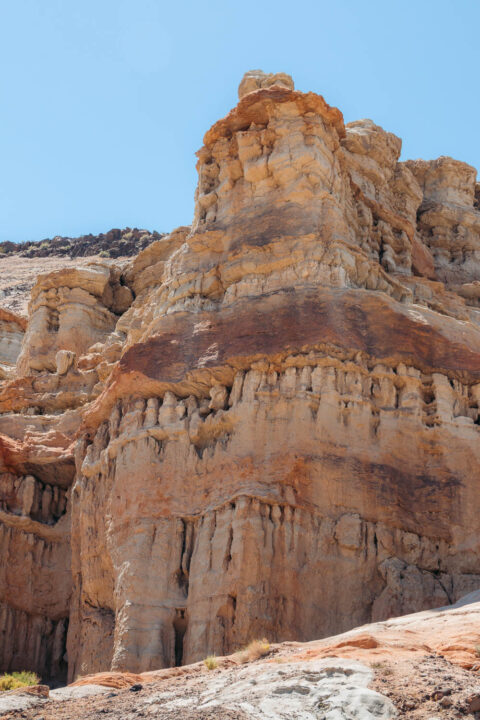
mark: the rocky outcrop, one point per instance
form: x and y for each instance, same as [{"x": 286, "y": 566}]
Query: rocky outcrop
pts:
[
  {"x": 267, "y": 423},
  {"x": 256, "y": 79},
  {"x": 71, "y": 310},
  {"x": 36, "y": 471},
  {"x": 12, "y": 330},
  {"x": 449, "y": 222},
  {"x": 114, "y": 243}
]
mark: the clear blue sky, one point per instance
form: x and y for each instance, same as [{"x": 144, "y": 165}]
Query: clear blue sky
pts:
[{"x": 104, "y": 102}]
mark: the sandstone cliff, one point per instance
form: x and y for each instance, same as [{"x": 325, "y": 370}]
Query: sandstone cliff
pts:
[{"x": 265, "y": 424}]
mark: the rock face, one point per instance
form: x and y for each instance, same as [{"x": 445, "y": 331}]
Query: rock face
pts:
[
  {"x": 256, "y": 79},
  {"x": 273, "y": 414},
  {"x": 12, "y": 330},
  {"x": 71, "y": 309}
]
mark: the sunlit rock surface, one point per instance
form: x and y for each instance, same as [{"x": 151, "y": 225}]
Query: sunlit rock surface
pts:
[{"x": 265, "y": 424}]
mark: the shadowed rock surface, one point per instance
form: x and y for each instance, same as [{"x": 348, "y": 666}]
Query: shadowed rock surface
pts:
[{"x": 266, "y": 423}]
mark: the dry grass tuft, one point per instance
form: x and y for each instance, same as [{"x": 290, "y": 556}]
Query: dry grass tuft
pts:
[
  {"x": 254, "y": 650},
  {"x": 211, "y": 662}
]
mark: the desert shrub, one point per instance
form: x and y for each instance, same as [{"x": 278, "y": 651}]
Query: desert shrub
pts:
[
  {"x": 104, "y": 253},
  {"x": 254, "y": 650},
  {"x": 14, "y": 680},
  {"x": 211, "y": 662}
]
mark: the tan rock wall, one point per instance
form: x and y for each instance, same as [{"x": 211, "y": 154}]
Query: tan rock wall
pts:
[
  {"x": 32, "y": 641},
  {"x": 12, "y": 330},
  {"x": 449, "y": 222},
  {"x": 70, "y": 309},
  {"x": 263, "y": 490},
  {"x": 35, "y": 587}
]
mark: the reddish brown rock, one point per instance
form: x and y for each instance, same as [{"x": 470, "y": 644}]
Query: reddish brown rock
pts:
[{"x": 422, "y": 260}]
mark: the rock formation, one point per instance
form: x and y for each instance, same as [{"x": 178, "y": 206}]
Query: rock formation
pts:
[
  {"x": 21, "y": 263},
  {"x": 12, "y": 330},
  {"x": 115, "y": 243},
  {"x": 265, "y": 424}
]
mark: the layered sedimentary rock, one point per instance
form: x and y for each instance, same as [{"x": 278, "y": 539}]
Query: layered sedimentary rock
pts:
[
  {"x": 71, "y": 309},
  {"x": 273, "y": 414},
  {"x": 12, "y": 330}
]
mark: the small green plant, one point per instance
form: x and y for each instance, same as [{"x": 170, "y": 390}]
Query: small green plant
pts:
[
  {"x": 211, "y": 662},
  {"x": 104, "y": 253},
  {"x": 14, "y": 680}
]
